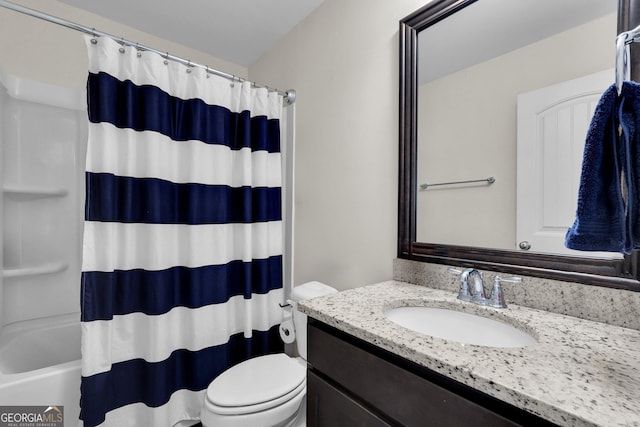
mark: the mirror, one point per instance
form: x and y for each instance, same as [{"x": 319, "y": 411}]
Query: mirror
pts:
[
  {"x": 467, "y": 67},
  {"x": 472, "y": 92}
]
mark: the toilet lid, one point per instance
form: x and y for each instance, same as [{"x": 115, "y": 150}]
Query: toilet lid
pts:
[{"x": 256, "y": 381}]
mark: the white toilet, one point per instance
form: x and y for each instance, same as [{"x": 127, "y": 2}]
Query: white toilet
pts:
[{"x": 267, "y": 390}]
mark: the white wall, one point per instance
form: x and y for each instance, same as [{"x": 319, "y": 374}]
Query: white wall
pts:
[
  {"x": 343, "y": 62},
  {"x": 38, "y": 50}
]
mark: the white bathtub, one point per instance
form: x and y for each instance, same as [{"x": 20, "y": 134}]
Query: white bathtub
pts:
[{"x": 40, "y": 364}]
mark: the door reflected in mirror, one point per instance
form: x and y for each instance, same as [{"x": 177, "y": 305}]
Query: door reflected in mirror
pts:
[{"x": 506, "y": 90}]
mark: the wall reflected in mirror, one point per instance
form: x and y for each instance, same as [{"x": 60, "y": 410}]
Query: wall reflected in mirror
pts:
[{"x": 506, "y": 90}]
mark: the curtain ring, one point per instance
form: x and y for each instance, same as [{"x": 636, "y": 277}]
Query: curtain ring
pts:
[
  {"x": 94, "y": 39},
  {"x": 207, "y": 70},
  {"x": 121, "y": 47},
  {"x": 188, "y": 66},
  {"x": 138, "y": 52},
  {"x": 233, "y": 80},
  {"x": 166, "y": 59}
]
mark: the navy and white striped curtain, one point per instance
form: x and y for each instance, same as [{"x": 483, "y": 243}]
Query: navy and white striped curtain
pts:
[{"x": 182, "y": 262}]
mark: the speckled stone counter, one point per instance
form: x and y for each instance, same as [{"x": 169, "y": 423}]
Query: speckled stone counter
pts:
[{"x": 579, "y": 373}]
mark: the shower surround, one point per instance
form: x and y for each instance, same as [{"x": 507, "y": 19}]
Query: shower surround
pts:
[{"x": 43, "y": 133}]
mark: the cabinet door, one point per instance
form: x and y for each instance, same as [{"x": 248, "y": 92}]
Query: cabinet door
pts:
[{"x": 327, "y": 406}]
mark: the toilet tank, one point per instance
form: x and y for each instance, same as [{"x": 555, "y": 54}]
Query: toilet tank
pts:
[{"x": 304, "y": 292}]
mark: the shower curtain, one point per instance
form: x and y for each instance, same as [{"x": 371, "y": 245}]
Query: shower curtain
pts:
[{"x": 182, "y": 251}]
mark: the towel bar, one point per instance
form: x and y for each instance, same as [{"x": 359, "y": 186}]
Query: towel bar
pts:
[{"x": 489, "y": 181}]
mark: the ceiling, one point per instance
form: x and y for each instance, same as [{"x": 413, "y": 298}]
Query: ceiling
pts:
[
  {"x": 489, "y": 28},
  {"x": 239, "y": 31}
]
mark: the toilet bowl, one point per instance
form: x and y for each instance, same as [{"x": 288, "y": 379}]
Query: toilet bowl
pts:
[{"x": 268, "y": 390}]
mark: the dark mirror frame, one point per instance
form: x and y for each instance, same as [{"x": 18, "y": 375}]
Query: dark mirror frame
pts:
[{"x": 619, "y": 273}]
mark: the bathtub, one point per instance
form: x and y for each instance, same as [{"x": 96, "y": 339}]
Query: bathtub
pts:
[{"x": 40, "y": 364}]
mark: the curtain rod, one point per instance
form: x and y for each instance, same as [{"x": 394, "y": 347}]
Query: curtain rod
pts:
[{"x": 289, "y": 95}]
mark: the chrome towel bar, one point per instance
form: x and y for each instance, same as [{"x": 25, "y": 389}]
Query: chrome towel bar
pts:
[{"x": 489, "y": 181}]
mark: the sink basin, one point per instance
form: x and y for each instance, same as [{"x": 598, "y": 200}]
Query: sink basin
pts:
[{"x": 457, "y": 326}]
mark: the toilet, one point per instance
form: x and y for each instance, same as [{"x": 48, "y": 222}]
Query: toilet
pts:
[{"x": 267, "y": 390}]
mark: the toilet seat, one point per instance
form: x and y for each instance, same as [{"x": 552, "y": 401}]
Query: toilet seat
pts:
[
  {"x": 250, "y": 409},
  {"x": 256, "y": 384}
]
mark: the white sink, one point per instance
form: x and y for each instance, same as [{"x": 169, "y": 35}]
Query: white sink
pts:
[{"x": 461, "y": 327}]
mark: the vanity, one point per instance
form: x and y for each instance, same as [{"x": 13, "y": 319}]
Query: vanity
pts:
[
  {"x": 353, "y": 383},
  {"x": 364, "y": 369}
]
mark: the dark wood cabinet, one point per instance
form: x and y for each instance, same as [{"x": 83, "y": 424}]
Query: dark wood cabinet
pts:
[
  {"x": 329, "y": 406},
  {"x": 354, "y": 383}
]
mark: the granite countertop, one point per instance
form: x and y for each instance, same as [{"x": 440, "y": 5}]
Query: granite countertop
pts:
[{"x": 578, "y": 373}]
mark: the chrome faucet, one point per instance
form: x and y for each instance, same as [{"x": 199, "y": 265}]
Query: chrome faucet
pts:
[{"x": 475, "y": 291}]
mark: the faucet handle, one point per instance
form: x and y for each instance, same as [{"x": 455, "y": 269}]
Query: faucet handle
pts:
[
  {"x": 463, "y": 293},
  {"x": 514, "y": 279},
  {"x": 496, "y": 299}
]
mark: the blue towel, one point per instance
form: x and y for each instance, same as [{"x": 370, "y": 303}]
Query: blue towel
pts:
[{"x": 608, "y": 206}]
